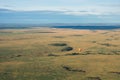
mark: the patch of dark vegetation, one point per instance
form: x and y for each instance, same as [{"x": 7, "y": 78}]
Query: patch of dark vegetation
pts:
[
  {"x": 53, "y": 55},
  {"x": 117, "y": 52},
  {"x": 93, "y": 30},
  {"x": 101, "y": 51},
  {"x": 43, "y": 32},
  {"x": 108, "y": 45},
  {"x": 14, "y": 27},
  {"x": 22, "y": 38},
  {"x": 112, "y": 36},
  {"x": 115, "y": 31},
  {"x": 118, "y": 73},
  {"x": 87, "y": 53},
  {"x": 59, "y": 44},
  {"x": 108, "y": 39},
  {"x": 116, "y": 38},
  {"x": 104, "y": 33},
  {"x": 18, "y": 55},
  {"x": 59, "y": 37},
  {"x": 1, "y": 40},
  {"x": 67, "y": 49},
  {"x": 6, "y": 73},
  {"x": 94, "y": 78},
  {"x": 6, "y": 32},
  {"x": 72, "y": 54},
  {"x": 93, "y": 41},
  {"x": 5, "y": 39},
  {"x": 73, "y": 70},
  {"x": 15, "y": 39},
  {"x": 77, "y": 35},
  {"x": 13, "y": 56}
]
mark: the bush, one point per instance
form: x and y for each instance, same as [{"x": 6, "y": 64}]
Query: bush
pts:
[
  {"x": 59, "y": 44},
  {"x": 73, "y": 54},
  {"x": 52, "y": 55},
  {"x": 67, "y": 49}
]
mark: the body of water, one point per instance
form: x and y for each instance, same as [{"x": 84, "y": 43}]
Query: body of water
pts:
[
  {"x": 90, "y": 27},
  {"x": 70, "y": 26}
]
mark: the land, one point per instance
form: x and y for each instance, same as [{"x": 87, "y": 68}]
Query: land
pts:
[{"x": 59, "y": 54}]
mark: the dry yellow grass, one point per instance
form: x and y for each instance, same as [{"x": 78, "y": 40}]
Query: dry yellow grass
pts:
[{"x": 24, "y": 54}]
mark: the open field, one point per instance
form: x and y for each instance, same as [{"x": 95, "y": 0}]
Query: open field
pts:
[{"x": 59, "y": 54}]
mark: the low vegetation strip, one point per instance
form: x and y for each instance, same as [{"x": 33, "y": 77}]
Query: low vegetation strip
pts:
[
  {"x": 58, "y": 44},
  {"x": 73, "y": 70},
  {"x": 94, "y": 78},
  {"x": 68, "y": 48},
  {"x": 115, "y": 72}
]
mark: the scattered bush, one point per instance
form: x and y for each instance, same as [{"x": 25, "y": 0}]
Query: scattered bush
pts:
[
  {"x": 73, "y": 54},
  {"x": 108, "y": 45},
  {"x": 45, "y": 32},
  {"x": 93, "y": 41},
  {"x": 67, "y": 49},
  {"x": 52, "y": 55},
  {"x": 87, "y": 53},
  {"x": 115, "y": 72},
  {"x": 59, "y": 44},
  {"x": 73, "y": 70},
  {"x": 58, "y": 36},
  {"x": 77, "y": 35},
  {"x": 94, "y": 78},
  {"x": 18, "y": 55},
  {"x": 116, "y": 52}
]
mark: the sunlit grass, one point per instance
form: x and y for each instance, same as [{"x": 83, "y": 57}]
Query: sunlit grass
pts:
[{"x": 25, "y": 54}]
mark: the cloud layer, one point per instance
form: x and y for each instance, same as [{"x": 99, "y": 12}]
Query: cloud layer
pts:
[{"x": 60, "y": 11}]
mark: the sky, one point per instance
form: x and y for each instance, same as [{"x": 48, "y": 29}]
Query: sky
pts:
[{"x": 60, "y": 11}]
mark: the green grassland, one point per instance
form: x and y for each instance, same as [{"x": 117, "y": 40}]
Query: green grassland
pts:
[{"x": 53, "y": 54}]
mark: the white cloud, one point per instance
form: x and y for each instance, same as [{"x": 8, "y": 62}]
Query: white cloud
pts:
[{"x": 78, "y": 13}]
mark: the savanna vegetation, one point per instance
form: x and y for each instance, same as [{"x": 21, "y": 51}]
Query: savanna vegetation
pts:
[{"x": 59, "y": 54}]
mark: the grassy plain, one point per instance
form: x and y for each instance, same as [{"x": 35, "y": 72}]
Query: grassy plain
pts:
[{"x": 59, "y": 54}]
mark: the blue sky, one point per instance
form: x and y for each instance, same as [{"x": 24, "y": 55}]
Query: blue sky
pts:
[{"x": 60, "y": 11}]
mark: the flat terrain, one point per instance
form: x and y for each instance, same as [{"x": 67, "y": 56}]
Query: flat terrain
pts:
[{"x": 59, "y": 54}]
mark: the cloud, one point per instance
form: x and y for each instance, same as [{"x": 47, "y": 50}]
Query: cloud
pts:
[
  {"x": 8, "y": 6},
  {"x": 66, "y": 12},
  {"x": 79, "y": 13}
]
